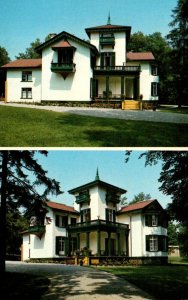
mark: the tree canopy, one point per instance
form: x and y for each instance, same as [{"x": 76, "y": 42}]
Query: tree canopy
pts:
[
  {"x": 4, "y": 57},
  {"x": 23, "y": 184},
  {"x": 140, "y": 197},
  {"x": 30, "y": 51},
  {"x": 178, "y": 39},
  {"x": 173, "y": 179}
]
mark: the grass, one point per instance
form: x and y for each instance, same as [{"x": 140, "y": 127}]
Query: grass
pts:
[
  {"x": 25, "y": 127},
  {"x": 177, "y": 260},
  {"x": 161, "y": 282},
  {"x": 23, "y": 286},
  {"x": 171, "y": 109}
]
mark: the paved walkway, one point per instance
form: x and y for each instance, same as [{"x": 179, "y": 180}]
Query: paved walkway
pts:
[
  {"x": 146, "y": 115},
  {"x": 80, "y": 283}
]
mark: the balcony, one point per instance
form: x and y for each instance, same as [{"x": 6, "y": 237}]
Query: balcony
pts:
[
  {"x": 107, "y": 41},
  {"x": 38, "y": 230},
  {"x": 63, "y": 67},
  {"x": 83, "y": 198},
  {"x": 98, "y": 225},
  {"x": 112, "y": 198},
  {"x": 128, "y": 70}
]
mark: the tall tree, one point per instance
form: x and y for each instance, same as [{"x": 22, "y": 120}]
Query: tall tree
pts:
[
  {"x": 173, "y": 179},
  {"x": 30, "y": 51},
  {"x": 178, "y": 39},
  {"x": 21, "y": 176},
  {"x": 140, "y": 197},
  {"x": 4, "y": 57}
]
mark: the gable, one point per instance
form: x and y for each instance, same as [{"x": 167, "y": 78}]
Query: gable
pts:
[{"x": 62, "y": 37}]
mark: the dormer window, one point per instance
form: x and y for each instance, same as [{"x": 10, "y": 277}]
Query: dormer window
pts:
[{"x": 63, "y": 64}]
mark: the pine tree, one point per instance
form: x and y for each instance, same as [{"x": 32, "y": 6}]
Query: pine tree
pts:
[
  {"x": 20, "y": 177},
  {"x": 178, "y": 39}
]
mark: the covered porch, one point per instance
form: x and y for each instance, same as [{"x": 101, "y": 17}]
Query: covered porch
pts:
[
  {"x": 116, "y": 83},
  {"x": 100, "y": 238}
]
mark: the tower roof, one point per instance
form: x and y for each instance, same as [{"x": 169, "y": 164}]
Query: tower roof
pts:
[{"x": 109, "y": 28}]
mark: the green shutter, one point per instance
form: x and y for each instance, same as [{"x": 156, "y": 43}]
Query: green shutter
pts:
[
  {"x": 57, "y": 245},
  {"x": 102, "y": 60},
  {"x": 107, "y": 214},
  {"x": 66, "y": 246},
  {"x": 148, "y": 220},
  {"x": 147, "y": 242},
  {"x": 57, "y": 220},
  {"x": 113, "y": 59}
]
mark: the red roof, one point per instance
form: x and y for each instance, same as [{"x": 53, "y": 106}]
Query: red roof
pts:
[
  {"x": 135, "y": 206},
  {"x": 140, "y": 56},
  {"x": 24, "y": 63},
  {"x": 60, "y": 206},
  {"x": 63, "y": 44}
]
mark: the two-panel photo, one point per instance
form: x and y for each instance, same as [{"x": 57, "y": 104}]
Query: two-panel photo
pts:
[{"x": 94, "y": 149}]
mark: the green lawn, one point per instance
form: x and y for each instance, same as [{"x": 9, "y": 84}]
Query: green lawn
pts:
[
  {"x": 171, "y": 109},
  {"x": 161, "y": 282},
  {"x": 25, "y": 127}
]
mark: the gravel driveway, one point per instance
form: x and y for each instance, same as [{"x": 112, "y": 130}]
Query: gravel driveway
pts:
[
  {"x": 80, "y": 283},
  {"x": 145, "y": 115}
]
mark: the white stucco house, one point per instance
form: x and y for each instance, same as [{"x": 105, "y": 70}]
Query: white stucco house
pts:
[
  {"x": 98, "y": 228},
  {"x": 72, "y": 70}
]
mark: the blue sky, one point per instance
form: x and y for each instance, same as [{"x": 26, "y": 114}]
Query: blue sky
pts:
[
  {"x": 73, "y": 168},
  {"x": 22, "y": 21}
]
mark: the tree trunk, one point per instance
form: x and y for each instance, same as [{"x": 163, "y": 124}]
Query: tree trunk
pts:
[{"x": 3, "y": 214}]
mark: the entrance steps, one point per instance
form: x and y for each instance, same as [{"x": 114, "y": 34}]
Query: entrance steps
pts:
[{"x": 131, "y": 105}]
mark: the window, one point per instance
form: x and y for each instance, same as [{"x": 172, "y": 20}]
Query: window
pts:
[
  {"x": 65, "y": 56},
  {"x": 61, "y": 245},
  {"x": 156, "y": 243},
  {"x": 107, "y": 59},
  {"x": 85, "y": 215},
  {"x": 26, "y": 93},
  {"x": 151, "y": 220},
  {"x": 154, "y": 70},
  {"x": 73, "y": 221},
  {"x": 26, "y": 76},
  {"x": 110, "y": 215},
  {"x": 73, "y": 245},
  {"x": 154, "y": 89},
  {"x": 61, "y": 221}
]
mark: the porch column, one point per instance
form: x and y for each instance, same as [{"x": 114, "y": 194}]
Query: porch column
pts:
[
  {"x": 127, "y": 244},
  {"x": 107, "y": 87},
  {"x": 109, "y": 243},
  {"x": 122, "y": 87},
  {"x": 119, "y": 246},
  {"x": 98, "y": 242},
  {"x": 136, "y": 88},
  {"x": 87, "y": 240},
  {"x": 78, "y": 241}
]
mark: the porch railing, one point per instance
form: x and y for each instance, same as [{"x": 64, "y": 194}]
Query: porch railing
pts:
[
  {"x": 99, "y": 222},
  {"x": 118, "y": 68}
]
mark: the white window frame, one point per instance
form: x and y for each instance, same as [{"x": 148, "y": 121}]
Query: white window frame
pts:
[
  {"x": 26, "y": 93},
  {"x": 27, "y": 76},
  {"x": 153, "y": 243}
]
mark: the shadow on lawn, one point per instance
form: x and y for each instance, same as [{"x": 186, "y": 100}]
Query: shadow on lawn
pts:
[{"x": 113, "y": 133}]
